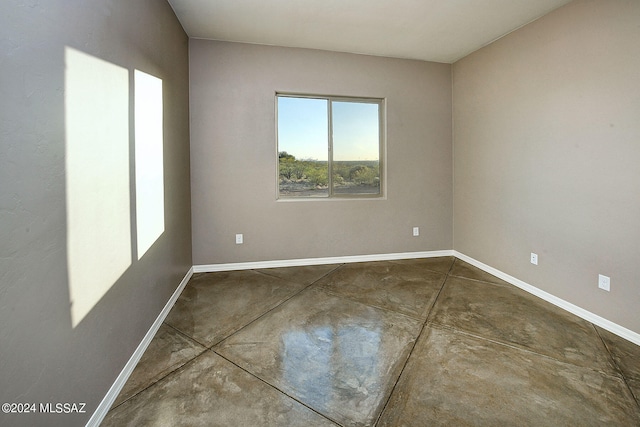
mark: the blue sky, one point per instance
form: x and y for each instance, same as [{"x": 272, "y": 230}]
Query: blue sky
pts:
[{"x": 303, "y": 129}]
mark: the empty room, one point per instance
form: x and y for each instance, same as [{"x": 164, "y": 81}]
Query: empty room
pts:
[{"x": 319, "y": 213}]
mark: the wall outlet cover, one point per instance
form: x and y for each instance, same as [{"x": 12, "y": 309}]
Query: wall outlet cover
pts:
[{"x": 604, "y": 282}]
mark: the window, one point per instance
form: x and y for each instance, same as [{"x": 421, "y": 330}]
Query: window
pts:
[{"x": 329, "y": 146}]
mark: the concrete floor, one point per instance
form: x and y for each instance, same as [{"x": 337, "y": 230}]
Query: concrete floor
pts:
[{"x": 400, "y": 343}]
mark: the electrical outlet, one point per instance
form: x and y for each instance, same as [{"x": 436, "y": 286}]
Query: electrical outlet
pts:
[
  {"x": 416, "y": 231},
  {"x": 534, "y": 258},
  {"x": 239, "y": 239},
  {"x": 604, "y": 282}
]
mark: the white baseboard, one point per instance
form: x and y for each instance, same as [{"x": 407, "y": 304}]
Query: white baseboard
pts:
[
  {"x": 208, "y": 268},
  {"x": 565, "y": 305},
  {"x": 115, "y": 389}
]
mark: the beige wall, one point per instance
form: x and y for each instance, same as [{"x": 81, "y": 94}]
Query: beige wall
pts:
[
  {"x": 44, "y": 357},
  {"x": 233, "y": 155},
  {"x": 547, "y": 155},
  {"x": 546, "y": 151}
]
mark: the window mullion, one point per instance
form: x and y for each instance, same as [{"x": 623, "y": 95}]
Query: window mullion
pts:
[{"x": 330, "y": 143}]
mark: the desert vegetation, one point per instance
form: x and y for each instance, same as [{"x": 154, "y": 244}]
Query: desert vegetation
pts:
[{"x": 308, "y": 177}]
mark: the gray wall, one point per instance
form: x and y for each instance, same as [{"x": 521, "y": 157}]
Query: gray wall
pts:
[
  {"x": 43, "y": 358},
  {"x": 547, "y": 155},
  {"x": 233, "y": 155}
]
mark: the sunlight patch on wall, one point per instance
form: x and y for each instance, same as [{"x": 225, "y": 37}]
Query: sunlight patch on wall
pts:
[
  {"x": 97, "y": 178},
  {"x": 149, "y": 160}
]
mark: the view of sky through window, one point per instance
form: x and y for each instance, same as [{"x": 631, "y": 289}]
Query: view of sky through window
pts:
[
  {"x": 303, "y": 129},
  {"x": 355, "y": 131}
]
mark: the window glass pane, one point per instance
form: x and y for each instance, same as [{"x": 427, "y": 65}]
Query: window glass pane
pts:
[
  {"x": 303, "y": 152},
  {"x": 356, "y": 148}
]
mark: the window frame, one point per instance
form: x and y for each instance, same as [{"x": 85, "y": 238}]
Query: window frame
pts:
[{"x": 331, "y": 195}]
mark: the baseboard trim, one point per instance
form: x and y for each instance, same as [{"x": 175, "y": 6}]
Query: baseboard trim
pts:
[
  {"x": 112, "y": 394},
  {"x": 114, "y": 391},
  {"x": 208, "y": 268},
  {"x": 559, "y": 302}
]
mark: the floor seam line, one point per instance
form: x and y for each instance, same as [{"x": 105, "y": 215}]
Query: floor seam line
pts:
[
  {"x": 274, "y": 387},
  {"x": 265, "y": 313},
  {"x": 415, "y": 343},
  {"x": 159, "y": 379},
  {"x": 615, "y": 363}
]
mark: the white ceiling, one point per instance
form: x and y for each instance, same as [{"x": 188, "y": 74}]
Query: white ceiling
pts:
[{"x": 431, "y": 30}]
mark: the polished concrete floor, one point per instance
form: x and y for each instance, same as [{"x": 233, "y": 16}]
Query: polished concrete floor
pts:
[{"x": 397, "y": 343}]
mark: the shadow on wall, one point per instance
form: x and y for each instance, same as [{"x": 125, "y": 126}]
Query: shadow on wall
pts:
[{"x": 111, "y": 223}]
